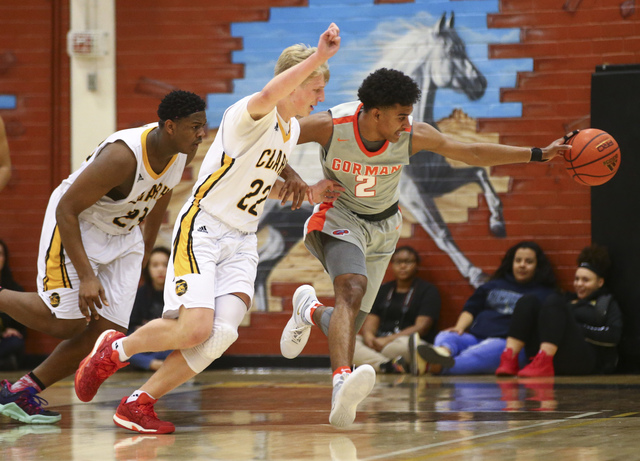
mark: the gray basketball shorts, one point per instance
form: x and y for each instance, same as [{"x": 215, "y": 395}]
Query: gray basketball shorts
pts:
[{"x": 375, "y": 240}]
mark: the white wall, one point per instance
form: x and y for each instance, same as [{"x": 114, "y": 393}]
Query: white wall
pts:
[{"x": 93, "y": 110}]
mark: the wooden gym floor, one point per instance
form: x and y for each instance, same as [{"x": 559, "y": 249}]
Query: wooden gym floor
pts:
[{"x": 282, "y": 414}]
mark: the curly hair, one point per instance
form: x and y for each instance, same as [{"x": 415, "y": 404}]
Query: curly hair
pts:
[
  {"x": 595, "y": 257},
  {"x": 543, "y": 275},
  {"x": 386, "y": 88},
  {"x": 179, "y": 104}
]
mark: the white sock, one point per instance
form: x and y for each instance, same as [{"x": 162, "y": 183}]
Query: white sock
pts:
[
  {"x": 337, "y": 378},
  {"x": 118, "y": 346},
  {"x": 133, "y": 397},
  {"x": 307, "y": 314}
]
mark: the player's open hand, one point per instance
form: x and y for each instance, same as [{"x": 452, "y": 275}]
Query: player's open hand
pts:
[
  {"x": 329, "y": 42},
  {"x": 558, "y": 147},
  {"x": 325, "y": 190},
  {"x": 91, "y": 297}
]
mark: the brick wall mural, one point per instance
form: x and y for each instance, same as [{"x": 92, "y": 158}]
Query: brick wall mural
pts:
[{"x": 511, "y": 71}]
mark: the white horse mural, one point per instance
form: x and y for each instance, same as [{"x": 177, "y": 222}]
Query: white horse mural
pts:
[{"x": 435, "y": 57}]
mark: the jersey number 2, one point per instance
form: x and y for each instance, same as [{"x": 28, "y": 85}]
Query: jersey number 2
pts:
[{"x": 365, "y": 186}]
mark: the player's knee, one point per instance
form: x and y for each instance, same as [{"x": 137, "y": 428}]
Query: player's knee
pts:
[
  {"x": 350, "y": 288},
  {"x": 192, "y": 332},
  {"x": 200, "y": 357},
  {"x": 199, "y": 335}
]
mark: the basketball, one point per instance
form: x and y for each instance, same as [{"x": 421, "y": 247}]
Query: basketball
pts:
[{"x": 594, "y": 157}]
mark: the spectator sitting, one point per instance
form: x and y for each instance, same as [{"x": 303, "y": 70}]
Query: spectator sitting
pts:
[
  {"x": 12, "y": 333},
  {"x": 405, "y": 310},
  {"x": 524, "y": 270},
  {"x": 149, "y": 304},
  {"x": 574, "y": 334}
]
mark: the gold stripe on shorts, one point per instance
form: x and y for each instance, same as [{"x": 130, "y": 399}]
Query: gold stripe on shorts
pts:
[
  {"x": 56, "y": 275},
  {"x": 184, "y": 260}
]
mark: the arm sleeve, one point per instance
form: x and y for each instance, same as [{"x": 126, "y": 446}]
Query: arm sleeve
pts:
[
  {"x": 476, "y": 302},
  {"x": 610, "y": 332}
]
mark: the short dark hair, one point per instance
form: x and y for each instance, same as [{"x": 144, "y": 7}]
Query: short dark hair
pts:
[
  {"x": 543, "y": 275},
  {"x": 409, "y": 249},
  {"x": 386, "y": 88},
  {"x": 179, "y": 104}
]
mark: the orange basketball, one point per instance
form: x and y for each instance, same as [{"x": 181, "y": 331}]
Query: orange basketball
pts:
[{"x": 594, "y": 157}]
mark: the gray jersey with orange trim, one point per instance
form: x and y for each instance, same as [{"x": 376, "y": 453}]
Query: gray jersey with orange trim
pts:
[
  {"x": 119, "y": 217},
  {"x": 242, "y": 164},
  {"x": 370, "y": 178}
]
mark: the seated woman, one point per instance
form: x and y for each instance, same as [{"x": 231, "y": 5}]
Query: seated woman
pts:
[
  {"x": 574, "y": 334},
  {"x": 524, "y": 270},
  {"x": 405, "y": 310}
]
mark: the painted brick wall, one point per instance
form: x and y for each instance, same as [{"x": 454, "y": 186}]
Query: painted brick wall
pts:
[{"x": 162, "y": 46}]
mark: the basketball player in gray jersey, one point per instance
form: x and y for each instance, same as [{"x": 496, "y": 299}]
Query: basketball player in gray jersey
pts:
[{"x": 364, "y": 145}]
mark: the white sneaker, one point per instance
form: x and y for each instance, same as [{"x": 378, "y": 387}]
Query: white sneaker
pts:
[
  {"x": 296, "y": 333},
  {"x": 348, "y": 392}
]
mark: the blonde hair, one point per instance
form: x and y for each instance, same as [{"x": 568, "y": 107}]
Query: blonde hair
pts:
[{"x": 295, "y": 54}]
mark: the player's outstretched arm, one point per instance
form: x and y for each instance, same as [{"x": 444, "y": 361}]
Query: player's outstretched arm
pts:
[
  {"x": 425, "y": 137},
  {"x": 286, "y": 82}
]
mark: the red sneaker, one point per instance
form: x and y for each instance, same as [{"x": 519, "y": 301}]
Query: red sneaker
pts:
[
  {"x": 542, "y": 365},
  {"x": 508, "y": 363},
  {"x": 98, "y": 366},
  {"x": 139, "y": 416}
]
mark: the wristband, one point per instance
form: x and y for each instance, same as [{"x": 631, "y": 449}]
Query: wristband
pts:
[{"x": 536, "y": 155}]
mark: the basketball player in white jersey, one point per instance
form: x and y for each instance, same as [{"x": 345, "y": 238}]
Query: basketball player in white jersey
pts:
[
  {"x": 364, "y": 145},
  {"x": 92, "y": 246},
  {"x": 212, "y": 269}
]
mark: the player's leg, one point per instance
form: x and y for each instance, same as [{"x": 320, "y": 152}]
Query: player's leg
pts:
[
  {"x": 30, "y": 310},
  {"x": 227, "y": 261},
  {"x": 339, "y": 257},
  {"x": 181, "y": 366},
  {"x": 346, "y": 265}
]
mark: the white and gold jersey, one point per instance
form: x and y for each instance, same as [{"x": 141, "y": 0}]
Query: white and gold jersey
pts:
[
  {"x": 241, "y": 166},
  {"x": 122, "y": 216}
]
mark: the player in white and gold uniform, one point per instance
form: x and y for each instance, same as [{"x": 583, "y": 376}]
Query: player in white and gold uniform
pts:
[
  {"x": 211, "y": 274},
  {"x": 110, "y": 231},
  {"x": 364, "y": 146},
  {"x": 92, "y": 247}
]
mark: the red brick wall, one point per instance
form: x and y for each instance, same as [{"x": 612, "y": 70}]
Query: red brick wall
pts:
[
  {"x": 161, "y": 46},
  {"x": 36, "y": 70},
  {"x": 164, "y": 45},
  {"x": 38, "y": 128}
]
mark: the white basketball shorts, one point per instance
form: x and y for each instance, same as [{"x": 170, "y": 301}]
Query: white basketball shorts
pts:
[
  {"x": 208, "y": 259},
  {"x": 115, "y": 259}
]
